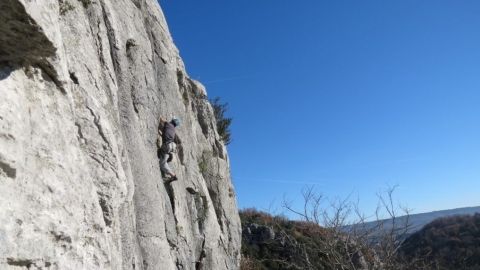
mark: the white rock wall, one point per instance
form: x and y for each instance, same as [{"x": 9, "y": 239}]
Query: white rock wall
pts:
[{"x": 82, "y": 86}]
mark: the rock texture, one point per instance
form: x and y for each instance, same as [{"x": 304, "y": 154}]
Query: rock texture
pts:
[{"x": 82, "y": 86}]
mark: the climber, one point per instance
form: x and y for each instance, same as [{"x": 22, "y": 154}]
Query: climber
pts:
[{"x": 168, "y": 145}]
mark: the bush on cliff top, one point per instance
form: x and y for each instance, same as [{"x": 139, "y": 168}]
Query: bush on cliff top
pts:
[{"x": 223, "y": 122}]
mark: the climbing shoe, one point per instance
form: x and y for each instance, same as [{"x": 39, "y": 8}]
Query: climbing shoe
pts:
[{"x": 171, "y": 179}]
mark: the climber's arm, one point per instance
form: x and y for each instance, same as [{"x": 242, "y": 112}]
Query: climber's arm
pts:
[
  {"x": 177, "y": 139},
  {"x": 161, "y": 125}
]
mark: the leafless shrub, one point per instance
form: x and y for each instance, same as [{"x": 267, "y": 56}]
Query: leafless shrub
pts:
[{"x": 354, "y": 243}]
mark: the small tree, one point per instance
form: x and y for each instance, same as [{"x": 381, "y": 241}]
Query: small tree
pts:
[{"x": 223, "y": 122}]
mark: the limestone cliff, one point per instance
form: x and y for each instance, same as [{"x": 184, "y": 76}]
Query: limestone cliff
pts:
[{"x": 82, "y": 86}]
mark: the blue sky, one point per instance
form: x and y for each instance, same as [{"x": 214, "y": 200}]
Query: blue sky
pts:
[{"x": 350, "y": 96}]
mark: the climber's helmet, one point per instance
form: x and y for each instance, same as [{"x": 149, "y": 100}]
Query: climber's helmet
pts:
[{"x": 175, "y": 122}]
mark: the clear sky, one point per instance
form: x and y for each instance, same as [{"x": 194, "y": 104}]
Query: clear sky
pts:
[{"x": 351, "y": 96}]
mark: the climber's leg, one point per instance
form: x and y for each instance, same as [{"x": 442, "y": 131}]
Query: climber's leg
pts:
[
  {"x": 166, "y": 149},
  {"x": 164, "y": 164}
]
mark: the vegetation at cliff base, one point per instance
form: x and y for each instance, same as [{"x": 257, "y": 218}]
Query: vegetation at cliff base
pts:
[{"x": 275, "y": 242}]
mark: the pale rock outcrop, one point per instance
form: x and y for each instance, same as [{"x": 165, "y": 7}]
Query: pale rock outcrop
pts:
[{"x": 82, "y": 86}]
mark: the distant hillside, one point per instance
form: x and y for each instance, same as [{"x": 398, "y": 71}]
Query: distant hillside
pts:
[
  {"x": 418, "y": 221},
  {"x": 447, "y": 243}
]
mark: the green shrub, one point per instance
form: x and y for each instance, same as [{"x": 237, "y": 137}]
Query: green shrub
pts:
[
  {"x": 203, "y": 162},
  {"x": 223, "y": 122},
  {"x": 86, "y": 3},
  {"x": 65, "y": 7}
]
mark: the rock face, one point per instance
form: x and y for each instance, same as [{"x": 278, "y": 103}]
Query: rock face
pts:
[
  {"x": 257, "y": 234},
  {"x": 83, "y": 84}
]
